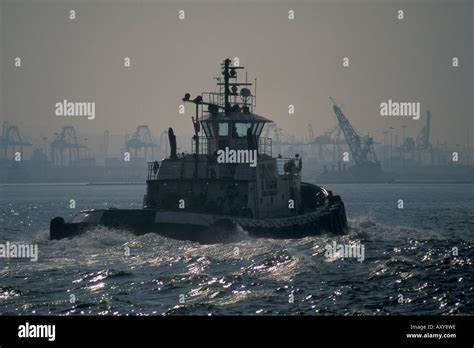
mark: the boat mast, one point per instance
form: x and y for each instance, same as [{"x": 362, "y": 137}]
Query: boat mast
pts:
[
  {"x": 230, "y": 88},
  {"x": 226, "y": 86}
]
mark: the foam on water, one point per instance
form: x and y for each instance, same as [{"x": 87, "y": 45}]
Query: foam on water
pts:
[{"x": 367, "y": 228}]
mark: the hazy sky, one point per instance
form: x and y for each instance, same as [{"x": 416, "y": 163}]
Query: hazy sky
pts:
[{"x": 296, "y": 62}]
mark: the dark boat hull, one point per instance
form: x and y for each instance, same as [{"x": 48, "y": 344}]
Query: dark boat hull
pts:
[{"x": 204, "y": 228}]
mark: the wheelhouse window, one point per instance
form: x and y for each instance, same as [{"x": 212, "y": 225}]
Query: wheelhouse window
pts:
[
  {"x": 258, "y": 129},
  {"x": 241, "y": 128},
  {"x": 207, "y": 126},
  {"x": 223, "y": 129}
]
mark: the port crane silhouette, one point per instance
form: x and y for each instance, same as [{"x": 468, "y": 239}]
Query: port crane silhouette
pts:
[
  {"x": 367, "y": 167},
  {"x": 11, "y": 141},
  {"x": 142, "y": 139},
  {"x": 362, "y": 148},
  {"x": 66, "y": 145}
]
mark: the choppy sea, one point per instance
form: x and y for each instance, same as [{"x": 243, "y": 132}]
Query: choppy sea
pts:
[{"x": 417, "y": 260}]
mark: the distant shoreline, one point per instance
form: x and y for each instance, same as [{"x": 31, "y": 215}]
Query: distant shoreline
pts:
[
  {"x": 75, "y": 184},
  {"x": 318, "y": 183},
  {"x": 399, "y": 182}
]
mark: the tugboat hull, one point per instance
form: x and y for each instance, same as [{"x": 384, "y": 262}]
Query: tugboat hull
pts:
[{"x": 204, "y": 228}]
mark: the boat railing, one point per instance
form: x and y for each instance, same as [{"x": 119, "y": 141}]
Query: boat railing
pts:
[
  {"x": 293, "y": 166},
  {"x": 218, "y": 98},
  {"x": 215, "y": 98},
  {"x": 203, "y": 145},
  {"x": 264, "y": 145}
]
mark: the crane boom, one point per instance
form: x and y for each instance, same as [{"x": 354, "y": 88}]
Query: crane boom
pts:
[{"x": 361, "y": 148}]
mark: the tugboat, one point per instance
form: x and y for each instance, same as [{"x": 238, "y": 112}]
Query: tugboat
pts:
[{"x": 229, "y": 183}]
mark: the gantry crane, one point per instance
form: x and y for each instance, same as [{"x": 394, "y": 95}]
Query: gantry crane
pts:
[
  {"x": 67, "y": 140},
  {"x": 11, "y": 141},
  {"x": 142, "y": 139}
]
